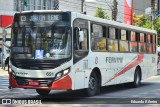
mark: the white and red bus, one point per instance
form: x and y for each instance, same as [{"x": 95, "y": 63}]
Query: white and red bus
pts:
[{"x": 56, "y": 50}]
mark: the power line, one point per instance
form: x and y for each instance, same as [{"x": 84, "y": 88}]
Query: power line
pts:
[
  {"x": 89, "y": 6},
  {"x": 110, "y": 10},
  {"x": 123, "y": 6}
]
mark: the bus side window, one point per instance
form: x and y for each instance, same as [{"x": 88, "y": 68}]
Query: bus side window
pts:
[
  {"x": 154, "y": 43},
  {"x": 76, "y": 41},
  {"x": 133, "y": 42},
  {"x": 83, "y": 44},
  {"x": 80, "y": 45},
  {"x": 149, "y": 45},
  {"x": 123, "y": 42},
  {"x": 142, "y": 43},
  {"x": 98, "y": 37},
  {"x": 112, "y": 41}
]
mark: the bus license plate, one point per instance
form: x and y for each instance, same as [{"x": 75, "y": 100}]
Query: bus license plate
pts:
[{"x": 33, "y": 82}]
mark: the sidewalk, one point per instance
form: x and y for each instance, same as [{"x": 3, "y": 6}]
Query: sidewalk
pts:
[{"x": 3, "y": 73}]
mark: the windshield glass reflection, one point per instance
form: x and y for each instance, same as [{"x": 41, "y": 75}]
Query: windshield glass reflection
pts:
[{"x": 52, "y": 42}]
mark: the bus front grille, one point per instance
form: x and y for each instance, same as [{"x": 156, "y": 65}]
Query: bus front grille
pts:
[
  {"x": 34, "y": 64},
  {"x": 45, "y": 82}
]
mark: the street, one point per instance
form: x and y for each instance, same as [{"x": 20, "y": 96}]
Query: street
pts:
[
  {"x": 149, "y": 89},
  {"x": 116, "y": 94}
]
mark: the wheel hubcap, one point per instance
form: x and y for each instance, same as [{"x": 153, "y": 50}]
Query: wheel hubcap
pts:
[
  {"x": 92, "y": 83},
  {"x": 137, "y": 79}
]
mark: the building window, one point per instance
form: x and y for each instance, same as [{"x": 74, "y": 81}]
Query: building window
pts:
[
  {"x": 16, "y": 5},
  {"x": 44, "y": 4},
  {"x": 38, "y": 4},
  {"x": 34, "y": 5}
]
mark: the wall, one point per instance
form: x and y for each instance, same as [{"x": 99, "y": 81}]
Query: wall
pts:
[
  {"x": 6, "y": 7},
  {"x": 140, "y": 6}
]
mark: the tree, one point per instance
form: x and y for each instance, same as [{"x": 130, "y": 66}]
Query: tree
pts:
[
  {"x": 141, "y": 21},
  {"x": 157, "y": 26},
  {"x": 101, "y": 13}
]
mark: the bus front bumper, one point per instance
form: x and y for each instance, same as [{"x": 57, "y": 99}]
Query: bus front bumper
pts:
[{"x": 64, "y": 83}]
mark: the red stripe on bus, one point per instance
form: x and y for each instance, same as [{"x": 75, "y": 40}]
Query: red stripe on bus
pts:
[
  {"x": 134, "y": 63},
  {"x": 12, "y": 81},
  {"x": 61, "y": 84}
]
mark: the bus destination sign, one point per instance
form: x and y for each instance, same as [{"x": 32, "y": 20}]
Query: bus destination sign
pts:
[{"x": 41, "y": 17}]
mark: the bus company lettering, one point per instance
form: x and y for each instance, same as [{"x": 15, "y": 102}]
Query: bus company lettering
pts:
[
  {"x": 21, "y": 73},
  {"x": 114, "y": 59}
]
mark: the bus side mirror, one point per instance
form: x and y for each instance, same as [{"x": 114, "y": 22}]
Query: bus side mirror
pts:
[
  {"x": 81, "y": 36},
  {"x": 4, "y": 35}
]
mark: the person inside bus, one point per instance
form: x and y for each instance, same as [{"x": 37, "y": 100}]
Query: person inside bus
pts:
[{"x": 6, "y": 63}]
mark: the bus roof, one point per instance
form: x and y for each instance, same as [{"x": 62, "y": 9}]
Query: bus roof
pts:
[
  {"x": 39, "y": 11},
  {"x": 98, "y": 20},
  {"x": 113, "y": 23}
]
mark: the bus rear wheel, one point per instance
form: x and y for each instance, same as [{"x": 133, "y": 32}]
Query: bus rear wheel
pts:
[
  {"x": 42, "y": 92},
  {"x": 137, "y": 79},
  {"x": 92, "y": 85}
]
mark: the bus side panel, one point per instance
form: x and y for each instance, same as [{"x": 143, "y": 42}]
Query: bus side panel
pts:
[
  {"x": 98, "y": 60},
  {"x": 150, "y": 69},
  {"x": 79, "y": 77}
]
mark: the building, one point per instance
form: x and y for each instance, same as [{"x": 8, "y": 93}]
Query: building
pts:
[{"x": 140, "y": 6}]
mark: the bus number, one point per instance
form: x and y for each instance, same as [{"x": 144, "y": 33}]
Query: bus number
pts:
[{"x": 49, "y": 74}]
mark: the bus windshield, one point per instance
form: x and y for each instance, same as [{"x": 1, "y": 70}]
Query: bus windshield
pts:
[{"x": 41, "y": 41}]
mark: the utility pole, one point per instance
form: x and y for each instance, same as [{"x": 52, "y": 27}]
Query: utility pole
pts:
[
  {"x": 114, "y": 10},
  {"x": 82, "y": 6},
  {"x": 158, "y": 6},
  {"x": 153, "y": 13}
]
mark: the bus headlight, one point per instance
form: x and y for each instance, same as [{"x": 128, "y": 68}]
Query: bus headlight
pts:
[
  {"x": 62, "y": 73},
  {"x": 13, "y": 73}
]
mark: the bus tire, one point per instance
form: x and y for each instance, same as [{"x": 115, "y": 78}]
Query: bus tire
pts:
[
  {"x": 137, "y": 78},
  {"x": 42, "y": 92},
  {"x": 92, "y": 85}
]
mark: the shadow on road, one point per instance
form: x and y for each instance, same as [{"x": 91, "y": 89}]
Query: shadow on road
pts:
[
  {"x": 79, "y": 96},
  {"x": 82, "y": 94}
]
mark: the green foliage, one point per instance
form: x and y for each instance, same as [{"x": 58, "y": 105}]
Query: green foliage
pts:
[
  {"x": 142, "y": 21},
  {"x": 101, "y": 13},
  {"x": 157, "y": 28}
]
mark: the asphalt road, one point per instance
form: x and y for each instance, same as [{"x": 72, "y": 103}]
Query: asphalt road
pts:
[{"x": 115, "y": 95}]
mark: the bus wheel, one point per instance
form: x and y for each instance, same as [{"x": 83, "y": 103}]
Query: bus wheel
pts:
[
  {"x": 42, "y": 92},
  {"x": 92, "y": 85},
  {"x": 137, "y": 78}
]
